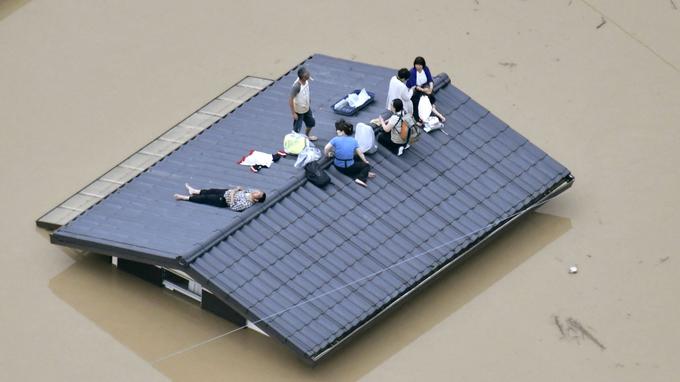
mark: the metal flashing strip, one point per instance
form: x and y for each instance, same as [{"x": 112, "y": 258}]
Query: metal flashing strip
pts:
[{"x": 156, "y": 150}]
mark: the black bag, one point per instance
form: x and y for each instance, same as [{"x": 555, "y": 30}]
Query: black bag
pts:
[{"x": 315, "y": 174}]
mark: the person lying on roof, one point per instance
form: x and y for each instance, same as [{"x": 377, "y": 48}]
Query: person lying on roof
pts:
[{"x": 236, "y": 199}]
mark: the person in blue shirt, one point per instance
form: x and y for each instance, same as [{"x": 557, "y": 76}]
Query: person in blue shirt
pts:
[
  {"x": 421, "y": 82},
  {"x": 344, "y": 147}
]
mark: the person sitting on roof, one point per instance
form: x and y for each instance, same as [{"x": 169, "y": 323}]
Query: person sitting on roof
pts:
[
  {"x": 398, "y": 89},
  {"x": 393, "y": 136},
  {"x": 236, "y": 199},
  {"x": 420, "y": 82},
  {"x": 344, "y": 147}
]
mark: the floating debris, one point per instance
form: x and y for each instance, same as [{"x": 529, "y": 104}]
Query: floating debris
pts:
[
  {"x": 573, "y": 269},
  {"x": 572, "y": 329},
  {"x": 601, "y": 23}
]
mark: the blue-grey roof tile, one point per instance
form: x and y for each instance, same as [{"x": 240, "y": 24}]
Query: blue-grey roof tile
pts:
[{"x": 320, "y": 262}]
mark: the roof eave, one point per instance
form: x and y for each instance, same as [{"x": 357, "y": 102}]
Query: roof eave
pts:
[{"x": 557, "y": 189}]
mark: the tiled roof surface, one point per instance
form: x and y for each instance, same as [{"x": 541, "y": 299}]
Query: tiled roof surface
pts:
[
  {"x": 143, "y": 216},
  {"x": 421, "y": 211},
  {"x": 318, "y": 263}
]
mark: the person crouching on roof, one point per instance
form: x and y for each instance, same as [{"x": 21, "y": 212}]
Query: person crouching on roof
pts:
[
  {"x": 394, "y": 135},
  {"x": 344, "y": 147},
  {"x": 236, "y": 199}
]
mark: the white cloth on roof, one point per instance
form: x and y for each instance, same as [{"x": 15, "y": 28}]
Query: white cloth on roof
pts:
[
  {"x": 356, "y": 100},
  {"x": 257, "y": 158}
]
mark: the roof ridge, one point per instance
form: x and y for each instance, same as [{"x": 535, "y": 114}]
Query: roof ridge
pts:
[{"x": 442, "y": 79}]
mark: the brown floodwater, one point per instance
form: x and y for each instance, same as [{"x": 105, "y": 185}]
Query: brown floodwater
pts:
[{"x": 594, "y": 83}]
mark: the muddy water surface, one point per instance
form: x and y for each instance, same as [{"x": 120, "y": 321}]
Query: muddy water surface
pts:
[{"x": 85, "y": 84}]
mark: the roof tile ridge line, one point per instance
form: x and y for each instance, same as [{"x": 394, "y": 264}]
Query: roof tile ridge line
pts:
[
  {"x": 315, "y": 262},
  {"x": 288, "y": 252},
  {"x": 249, "y": 216},
  {"x": 185, "y": 260},
  {"x": 338, "y": 245},
  {"x": 421, "y": 274},
  {"x": 478, "y": 202},
  {"x": 424, "y": 280}
]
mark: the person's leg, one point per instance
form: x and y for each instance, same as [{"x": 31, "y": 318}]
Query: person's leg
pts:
[
  {"x": 308, "y": 117},
  {"x": 361, "y": 170},
  {"x": 209, "y": 199},
  {"x": 415, "y": 98},
  {"x": 191, "y": 190},
  {"x": 213, "y": 191},
  {"x": 344, "y": 171},
  {"x": 385, "y": 139},
  {"x": 438, "y": 114},
  {"x": 297, "y": 123}
]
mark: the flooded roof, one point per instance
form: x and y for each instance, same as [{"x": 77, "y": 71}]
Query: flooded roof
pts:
[{"x": 314, "y": 266}]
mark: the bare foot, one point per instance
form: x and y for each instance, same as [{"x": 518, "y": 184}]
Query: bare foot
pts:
[
  {"x": 191, "y": 190},
  {"x": 312, "y": 138},
  {"x": 371, "y": 175},
  {"x": 360, "y": 182},
  {"x": 181, "y": 197}
]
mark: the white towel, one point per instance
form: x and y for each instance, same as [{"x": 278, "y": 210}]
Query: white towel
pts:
[{"x": 257, "y": 157}]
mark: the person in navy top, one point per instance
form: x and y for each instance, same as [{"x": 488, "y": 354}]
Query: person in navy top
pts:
[
  {"x": 422, "y": 83},
  {"x": 344, "y": 148}
]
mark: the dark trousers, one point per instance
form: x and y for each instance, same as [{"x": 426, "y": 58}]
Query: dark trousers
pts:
[
  {"x": 307, "y": 117},
  {"x": 385, "y": 139},
  {"x": 358, "y": 170},
  {"x": 211, "y": 196},
  {"x": 416, "y": 99}
]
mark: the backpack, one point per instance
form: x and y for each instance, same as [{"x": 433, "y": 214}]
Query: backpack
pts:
[{"x": 315, "y": 174}]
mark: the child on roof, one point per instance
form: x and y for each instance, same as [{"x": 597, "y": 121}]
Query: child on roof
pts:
[
  {"x": 344, "y": 147},
  {"x": 236, "y": 199}
]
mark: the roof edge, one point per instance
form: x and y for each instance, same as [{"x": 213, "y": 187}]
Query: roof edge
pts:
[
  {"x": 106, "y": 248},
  {"x": 559, "y": 187}
]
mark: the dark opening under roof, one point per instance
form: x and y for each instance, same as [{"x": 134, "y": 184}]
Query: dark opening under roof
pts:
[{"x": 313, "y": 266}]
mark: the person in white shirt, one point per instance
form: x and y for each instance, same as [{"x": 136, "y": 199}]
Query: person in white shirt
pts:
[
  {"x": 398, "y": 90},
  {"x": 299, "y": 103},
  {"x": 421, "y": 83}
]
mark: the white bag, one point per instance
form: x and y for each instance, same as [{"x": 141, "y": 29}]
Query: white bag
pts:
[
  {"x": 432, "y": 123},
  {"x": 293, "y": 143},
  {"x": 309, "y": 154},
  {"x": 424, "y": 107},
  {"x": 366, "y": 138}
]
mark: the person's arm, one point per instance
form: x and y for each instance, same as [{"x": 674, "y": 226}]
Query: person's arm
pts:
[
  {"x": 291, "y": 101},
  {"x": 411, "y": 82},
  {"x": 360, "y": 155},
  {"x": 328, "y": 150},
  {"x": 429, "y": 86},
  {"x": 386, "y": 126}
]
